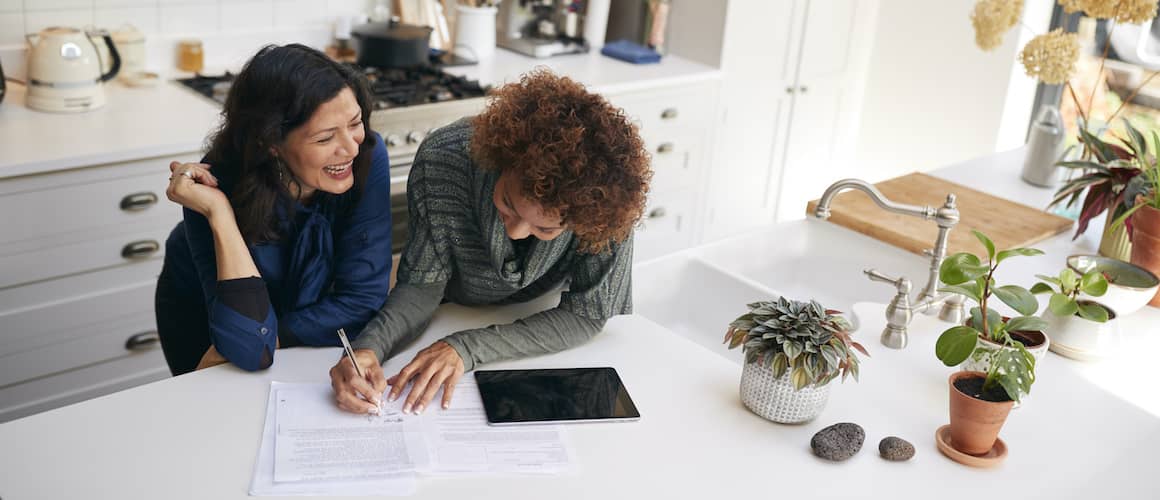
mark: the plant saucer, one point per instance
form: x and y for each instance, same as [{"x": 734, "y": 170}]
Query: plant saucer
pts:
[
  {"x": 1077, "y": 353},
  {"x": 998, "y": 452}
]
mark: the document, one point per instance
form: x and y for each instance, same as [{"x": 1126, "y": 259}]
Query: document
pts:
[
  {"x": 461, "y": 440},
  {"x": 263, "y": 484}
]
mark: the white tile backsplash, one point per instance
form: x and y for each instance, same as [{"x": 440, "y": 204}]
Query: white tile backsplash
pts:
[
  {"x": 290, "y": 13},
  {"x": 104, "y": 4},
  {"x": 346, "y": 7},
  {"x": 9, "y": 6},
  {"x": 37, "y": 5},
  {"x": 35, "y": 21},
  {"x": 247, "y": 15},
  {"x": 189, "y": 19},
  {"x": 144, "y": 19},
  {"x": 11, "y": 28}
]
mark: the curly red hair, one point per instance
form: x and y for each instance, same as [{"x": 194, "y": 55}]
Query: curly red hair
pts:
[{"x": 572, "y": 152}]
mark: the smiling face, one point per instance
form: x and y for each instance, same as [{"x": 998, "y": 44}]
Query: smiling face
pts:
[
  {"x": 321, "y": 152},
  {"x": 523, "y": 217}
]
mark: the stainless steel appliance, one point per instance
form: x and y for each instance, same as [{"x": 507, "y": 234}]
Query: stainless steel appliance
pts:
[
  {"x": 541, "y": 28},
  {"x": 409, "y": 104}
]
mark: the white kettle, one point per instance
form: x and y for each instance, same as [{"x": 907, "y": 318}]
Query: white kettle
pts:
[{"x": 64, "y": 70}]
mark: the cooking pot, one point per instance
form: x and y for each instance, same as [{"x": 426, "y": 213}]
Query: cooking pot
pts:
[
  {"x": 2, "y": 86},
  {"x": 392, "y": 45}
]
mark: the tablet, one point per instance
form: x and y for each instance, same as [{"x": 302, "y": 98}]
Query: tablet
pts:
[{"x": 515, "y": 397}]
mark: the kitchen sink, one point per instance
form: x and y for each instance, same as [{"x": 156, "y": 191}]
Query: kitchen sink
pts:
[{"x": 697, "y": 292}]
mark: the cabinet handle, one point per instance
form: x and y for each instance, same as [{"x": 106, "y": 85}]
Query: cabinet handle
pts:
[
  {"x": 140, "y": 249},
  {"x": 804, "y": 89},
  {"x": 666, "y": 147},
  {"x": 656, "y": 213},
  {"x": 669, "y": 113},
  {"x": 137, "y": 202},
  {"x": 142, "y": 341},
  {"x": 789, "y": 90}
]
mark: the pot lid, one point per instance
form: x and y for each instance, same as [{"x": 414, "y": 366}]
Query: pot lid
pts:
[{"x": 394, "y": 31}]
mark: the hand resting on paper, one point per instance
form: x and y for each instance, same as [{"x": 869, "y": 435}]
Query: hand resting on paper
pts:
[{"x": 436, "y": 366}]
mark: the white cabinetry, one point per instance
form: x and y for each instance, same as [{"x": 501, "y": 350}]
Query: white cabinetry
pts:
[
  {"x": 792, "y": 78},
  {"x": 676, "y": 125},
  {"x": 79, "y": 257}
]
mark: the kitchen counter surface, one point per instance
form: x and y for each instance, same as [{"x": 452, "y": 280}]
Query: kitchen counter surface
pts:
[
  {"x": 168, "y": 119},
  {"x": 1087, "y": 430}
]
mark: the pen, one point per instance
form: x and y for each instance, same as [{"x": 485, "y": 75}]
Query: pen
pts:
[{"x": 349, "y": 352}]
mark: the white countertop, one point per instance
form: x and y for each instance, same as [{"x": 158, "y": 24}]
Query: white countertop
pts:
[
  {"x": 1087, "y": 430},
  {"x": 169, "y": 119}
]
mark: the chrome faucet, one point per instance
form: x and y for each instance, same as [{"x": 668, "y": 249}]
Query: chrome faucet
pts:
[{"x": 902, "y": 309}]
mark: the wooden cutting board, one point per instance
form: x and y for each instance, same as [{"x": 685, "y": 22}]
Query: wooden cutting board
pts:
[{"x": 1009, "y": 224}]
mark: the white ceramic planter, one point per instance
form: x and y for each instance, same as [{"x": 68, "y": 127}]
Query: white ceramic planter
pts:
[
  {"x": 775, "y": 398},
  {"x": 980, "y": 359},
  {"x": 1078, "y": 338}
]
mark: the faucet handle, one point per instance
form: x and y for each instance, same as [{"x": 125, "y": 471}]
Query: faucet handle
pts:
[{"x": 902, "y": 284}]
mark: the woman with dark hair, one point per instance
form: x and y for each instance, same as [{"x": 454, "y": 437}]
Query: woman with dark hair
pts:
[
  {"x": 541, "y": 189},
  {"x": 287, "y": 229}
]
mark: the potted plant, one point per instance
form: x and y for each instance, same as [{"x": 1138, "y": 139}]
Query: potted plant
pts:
[
  {"x": 793, "y": 350},
  {"x": 1080, "y": 328},
  {"x": 1108, "y": 168},
  {"x": 1142, "y": 218},
  {"x": 988, "y": 337}
]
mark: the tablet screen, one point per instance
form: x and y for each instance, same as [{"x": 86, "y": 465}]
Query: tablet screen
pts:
[{"x": 554, "y": 395}]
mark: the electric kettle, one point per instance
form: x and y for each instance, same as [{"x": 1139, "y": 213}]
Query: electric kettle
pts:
[{"x": 64, "y": 70}]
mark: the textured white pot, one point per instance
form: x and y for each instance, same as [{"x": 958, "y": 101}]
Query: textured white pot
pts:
[
  {"x": 980, "y": 359},
  {"x": 1078, "y": 338},
  {"x": 775, "y": 398}
]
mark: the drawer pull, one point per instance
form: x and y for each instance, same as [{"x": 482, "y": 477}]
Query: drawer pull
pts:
[
  {"x": 140, "y": 249},
  {"x": 656, "y": 213},
  {"x": 142, "y": 341},
  {"x": 666, "y": 147},
  {"x": 137, "y": 202},
  {"x": 669, "y": 113}
]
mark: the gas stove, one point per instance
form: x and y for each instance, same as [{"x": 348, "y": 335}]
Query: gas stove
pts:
[{"x": 390, "y": 87}]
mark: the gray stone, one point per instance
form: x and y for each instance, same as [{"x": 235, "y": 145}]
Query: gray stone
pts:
[
  {"x": 838, "y": 442},
  {"x": 895, "y": 449}
]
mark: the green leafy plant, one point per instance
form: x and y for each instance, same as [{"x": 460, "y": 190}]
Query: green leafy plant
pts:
[
  {"x": 965, "y": 273},
  {"x": 1064, "y": 295},
  {"x": 806, "y": 340}
]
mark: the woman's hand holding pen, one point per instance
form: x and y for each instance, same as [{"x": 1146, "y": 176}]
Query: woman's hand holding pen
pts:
[
  {"x": 194, "y": 187},
  {"x": 436, "y": 366},
  {"x": 354, "y": 393}
]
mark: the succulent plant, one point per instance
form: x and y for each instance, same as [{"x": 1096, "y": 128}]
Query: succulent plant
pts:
[
  {"x": 806, "y": 340},
  {"x": 1065, "y": 302}
]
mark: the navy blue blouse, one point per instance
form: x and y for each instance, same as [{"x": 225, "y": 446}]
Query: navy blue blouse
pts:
[{"x": 331, "y": 269}]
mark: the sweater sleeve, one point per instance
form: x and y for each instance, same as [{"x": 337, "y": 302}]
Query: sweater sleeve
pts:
[
  {"x": 362, "y": 265},
  {"x": 545, "y": 332}
]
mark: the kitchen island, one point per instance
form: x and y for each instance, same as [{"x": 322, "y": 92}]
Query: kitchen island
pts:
[{"x": 1086, "y": 431}]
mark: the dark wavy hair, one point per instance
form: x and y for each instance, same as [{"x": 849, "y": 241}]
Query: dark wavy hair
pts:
[
  {"x": 572, "y": 151},
  {"x": 276, "y": 92}
]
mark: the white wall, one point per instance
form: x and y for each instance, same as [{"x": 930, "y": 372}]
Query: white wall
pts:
[
  {"x": 230, "y": 29},
  {"x": 932, "y": 97}
]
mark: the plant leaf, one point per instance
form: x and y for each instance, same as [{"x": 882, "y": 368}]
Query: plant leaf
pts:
[
  {"x": 961, "y": 268},
  {"x": 1094, "y": 312},
  {"x": 1024, "y": 252},
  {"x": 1068, "y": 280},
  {"x": 799, "y": 378},
  {"x": 994, "y": 319},
  {"x": 1026, "y": 324},
  {"x": 1018, "y": 298},
  {"x": 1062, "y": 305},
  {"x": 987, "y": 243},
  {"x": 969, "y": 289},
  {"x": 1094, "y": 283},
  {"x": 955, "y": 345},
  {"x": 1039, "y": 288}
]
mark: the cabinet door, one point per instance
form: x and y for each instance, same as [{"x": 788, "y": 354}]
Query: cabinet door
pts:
[
  {"x": 826, "y": 102},
  {"x": 758, "y": 62}
]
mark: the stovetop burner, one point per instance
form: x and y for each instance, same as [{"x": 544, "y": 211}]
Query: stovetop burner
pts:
[{"x": 390, "y": 87}]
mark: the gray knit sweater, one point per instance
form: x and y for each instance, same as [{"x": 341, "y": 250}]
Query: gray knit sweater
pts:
[{"x": 459, "y": 251}]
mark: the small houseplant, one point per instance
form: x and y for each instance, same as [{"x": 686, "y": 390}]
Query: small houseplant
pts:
[
  {"x": 1142, "y": 218},
  {"x": 1080, "y": 328},
  {"x": 987, "y": 338},
  {"x": 793, "y": 350}
]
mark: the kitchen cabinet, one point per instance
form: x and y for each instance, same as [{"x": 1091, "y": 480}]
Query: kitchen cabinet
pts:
[
  {"x": 792, "y": 78},
  {"x": 79, "y": 259}
]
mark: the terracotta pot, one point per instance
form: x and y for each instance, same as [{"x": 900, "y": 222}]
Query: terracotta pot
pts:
[
  {"x": 1146, "y": 243},
  {"x": 975, "y": 423}
]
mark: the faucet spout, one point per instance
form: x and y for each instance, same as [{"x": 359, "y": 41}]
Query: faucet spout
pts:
[{"x": 822, "y": 211}]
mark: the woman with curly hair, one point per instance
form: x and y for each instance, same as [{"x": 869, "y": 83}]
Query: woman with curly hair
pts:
[{"x": 541, "y": 189}]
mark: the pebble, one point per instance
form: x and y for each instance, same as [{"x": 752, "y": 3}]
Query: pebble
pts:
[
  {"x": 895, "y": 449},
  {"x": 838, "y": 442}
]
